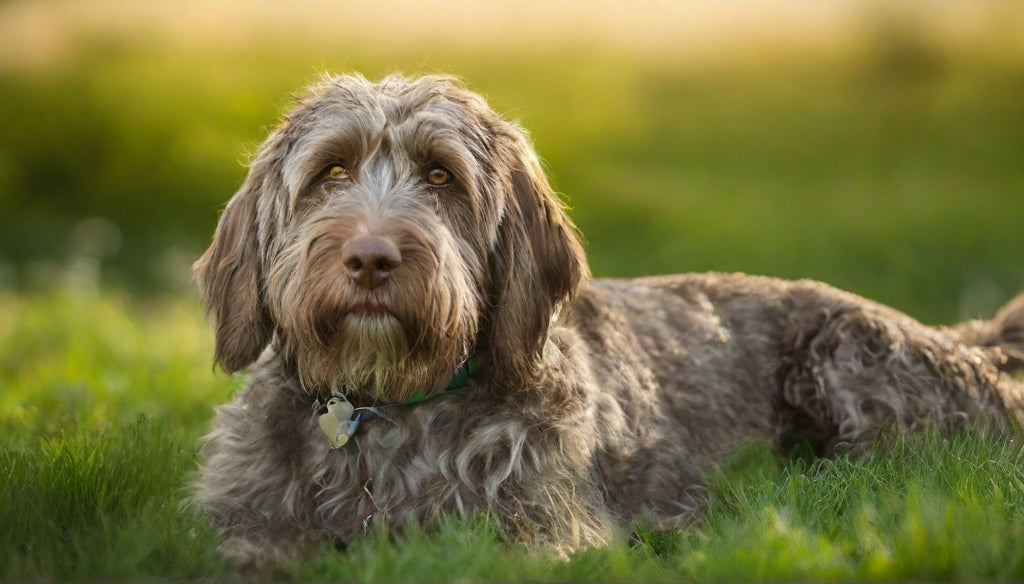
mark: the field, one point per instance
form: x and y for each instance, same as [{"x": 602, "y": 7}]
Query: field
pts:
[{"x": 877, "y": 150}]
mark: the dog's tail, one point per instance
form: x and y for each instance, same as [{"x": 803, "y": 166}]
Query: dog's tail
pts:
[{"x": 1005, "y": 330}]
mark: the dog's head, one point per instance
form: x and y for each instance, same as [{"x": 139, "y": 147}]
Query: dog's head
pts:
[{"x": 386, "y": 233}]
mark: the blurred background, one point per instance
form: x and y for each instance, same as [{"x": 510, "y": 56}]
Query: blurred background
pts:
[{"x": 875, "y": 145}]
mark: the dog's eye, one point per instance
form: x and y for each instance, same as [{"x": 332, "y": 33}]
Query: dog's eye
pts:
[
  {"x": 336, "y": 172},
  {"x": 438, "y": 176}
]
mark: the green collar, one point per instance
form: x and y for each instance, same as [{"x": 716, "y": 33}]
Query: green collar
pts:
[
  {"x": 459, "y": 380},
  {"x": 339, "y": 420}
]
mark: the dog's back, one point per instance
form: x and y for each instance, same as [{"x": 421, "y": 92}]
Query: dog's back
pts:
[{"x": 731, "y": 356}]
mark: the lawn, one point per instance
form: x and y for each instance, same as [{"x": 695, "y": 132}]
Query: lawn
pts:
[{"x": 891, "y": 164}]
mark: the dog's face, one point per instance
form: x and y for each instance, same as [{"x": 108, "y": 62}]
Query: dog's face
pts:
[{"x": 385, "y": 234}]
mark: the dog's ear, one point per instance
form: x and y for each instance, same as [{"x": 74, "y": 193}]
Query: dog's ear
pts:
[
  {"x": 537, "y": 266},
  {"x": 229, "y": 280}
]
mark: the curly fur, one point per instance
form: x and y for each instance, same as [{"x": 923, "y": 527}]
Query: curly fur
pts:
[{"x": 594, "y": 403}]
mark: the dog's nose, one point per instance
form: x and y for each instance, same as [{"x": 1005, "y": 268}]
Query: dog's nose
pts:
[{"x": 369, "y": 259}]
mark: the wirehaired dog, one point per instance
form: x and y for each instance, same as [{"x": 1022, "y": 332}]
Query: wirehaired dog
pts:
[{"x": 427, "y": 340}]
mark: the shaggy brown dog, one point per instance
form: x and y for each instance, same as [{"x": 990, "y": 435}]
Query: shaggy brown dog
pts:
[{"x": 392, "y": 236}]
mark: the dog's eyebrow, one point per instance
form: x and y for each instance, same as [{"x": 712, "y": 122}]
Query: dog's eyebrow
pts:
[
  {"x": 333, "y": 135},
  {"x": 433, "y": 138}
]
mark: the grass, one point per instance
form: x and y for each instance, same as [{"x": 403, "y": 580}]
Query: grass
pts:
[
  {"x": 924, "y": 508},
  {"x": 104, "y": 400},
  {"x": 78, "y": 360},
  {"x": 86, "y": 504}
]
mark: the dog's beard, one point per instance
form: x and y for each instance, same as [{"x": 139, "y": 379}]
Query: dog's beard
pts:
[
  {"x": 371, "y": 356},
  {"x": 385, "y": 355}
]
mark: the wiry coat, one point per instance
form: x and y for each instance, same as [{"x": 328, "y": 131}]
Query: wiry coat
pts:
[{"x": 592, "y": 403}]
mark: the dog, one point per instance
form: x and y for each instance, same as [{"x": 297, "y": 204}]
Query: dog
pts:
[{"x": 425, "y": 338}]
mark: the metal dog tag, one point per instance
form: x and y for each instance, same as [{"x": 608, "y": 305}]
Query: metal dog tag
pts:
[{"x": 337, "y": 423}]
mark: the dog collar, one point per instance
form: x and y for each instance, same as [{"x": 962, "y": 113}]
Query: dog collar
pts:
[
  {"x": 458, "y": 381},
  {"x": 341, "y": 420}
]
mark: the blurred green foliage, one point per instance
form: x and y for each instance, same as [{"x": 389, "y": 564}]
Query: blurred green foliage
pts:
[
  {"x": 70, "y": 359},
  {"x": 895, "y": 170}
]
